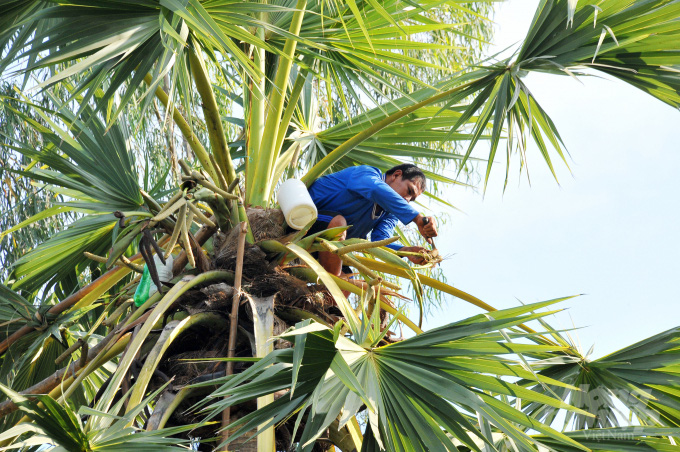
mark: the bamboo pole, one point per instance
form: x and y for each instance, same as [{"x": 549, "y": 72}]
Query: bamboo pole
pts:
[{"x": 233, "y": 321}]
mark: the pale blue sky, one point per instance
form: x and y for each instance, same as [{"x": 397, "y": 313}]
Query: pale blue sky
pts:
[{"x": 609, "y": 231}]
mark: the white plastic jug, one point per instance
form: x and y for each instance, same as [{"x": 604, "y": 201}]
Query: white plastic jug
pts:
[{"x": 296, "y": 204}]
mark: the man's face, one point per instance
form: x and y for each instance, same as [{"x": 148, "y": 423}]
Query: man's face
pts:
[{"x": 407, "y": 189}]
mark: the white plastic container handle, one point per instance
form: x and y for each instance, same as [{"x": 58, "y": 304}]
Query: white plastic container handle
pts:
[{"x": 296, "y": 204}]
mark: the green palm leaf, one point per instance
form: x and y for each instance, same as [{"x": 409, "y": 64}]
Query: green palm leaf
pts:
[
  {"x": 645, "y": 53},
  {"x": 15, "y": 311},
  {"x": 637, "y": 42},
  {"x": 61, "y": 259},
  {"x": 622, "y": 439},
  {"x": 641, "y": 377},
  {"x": 409, "y": 399},
  {"x": 99, "y": 168},
  {"x": 61, "y": 425},
  {"x": 94, "y": 167}
]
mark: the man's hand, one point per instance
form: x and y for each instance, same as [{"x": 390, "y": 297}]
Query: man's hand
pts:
[
  {"x": 418, "y": 260},
  {"x": 428, "y": 230}
]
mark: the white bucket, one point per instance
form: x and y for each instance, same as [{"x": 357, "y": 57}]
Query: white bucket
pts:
[{"x": 296, "y": 204}]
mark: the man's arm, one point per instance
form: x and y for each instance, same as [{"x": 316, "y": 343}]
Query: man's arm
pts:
[{"x": 384, "y": 230}]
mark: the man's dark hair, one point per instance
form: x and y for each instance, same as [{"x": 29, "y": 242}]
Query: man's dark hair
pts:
[{"x": 410, "y": 172}]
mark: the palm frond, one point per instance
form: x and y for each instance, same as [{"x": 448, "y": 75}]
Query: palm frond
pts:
[
  {"x": 15, "y": 310},
  {"x": 639, "y": 377},
  {"x": 409, "y": 399},
  {"x": 94, "y": 167},
  {"x": 61, "y": 425},
  {"x": 621, "y": 439}
]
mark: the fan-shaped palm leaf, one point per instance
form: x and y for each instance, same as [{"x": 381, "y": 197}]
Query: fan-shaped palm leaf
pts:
[
  {"x": 94, "y": 167},
  {"x": 409, "y": 399},
  {"x": 641, "y": 378}
]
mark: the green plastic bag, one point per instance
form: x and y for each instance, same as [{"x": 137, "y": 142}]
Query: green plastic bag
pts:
[{"x": 142, "y": 292}]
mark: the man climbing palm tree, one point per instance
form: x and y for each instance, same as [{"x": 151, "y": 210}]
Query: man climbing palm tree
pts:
[{"x": 370, "y": 202}]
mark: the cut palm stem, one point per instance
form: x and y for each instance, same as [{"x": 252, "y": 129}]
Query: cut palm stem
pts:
[
  {"x": 111, "y": 319},
  {"x": 75, "y": 346},
  {"x": 233, "y": 184},
  {"x": 131, "y": 265},
  {"x": 201, "y": 237},
  {"x": 151, "y": 203},
  {"x": 181, "y": 219},
  {"x": 205, "y": 220},
  {"x": 169, "y": 211},
  {"x": 309, "y": 275},
  {"x": 382, "y": 267},
  {"x": 219, "y": 191},
  {"x": 352, "y": 262},
  {"x": 121, "y": 261},
  {"x": 186, "y": 244},
  {"x": 190, "y": 219},
  {"x": 186, "y": 168}
]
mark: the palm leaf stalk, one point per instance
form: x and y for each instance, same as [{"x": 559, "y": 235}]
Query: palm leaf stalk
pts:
[
  {"x": 211, "y": 113},
  {"x": 264, "y": 167}
]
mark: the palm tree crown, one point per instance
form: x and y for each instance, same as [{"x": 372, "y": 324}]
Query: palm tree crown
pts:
[{"x": 161, "y": 129}]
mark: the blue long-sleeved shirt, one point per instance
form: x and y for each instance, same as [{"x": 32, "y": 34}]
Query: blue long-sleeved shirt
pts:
[{"x": 355, "y": 193}]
